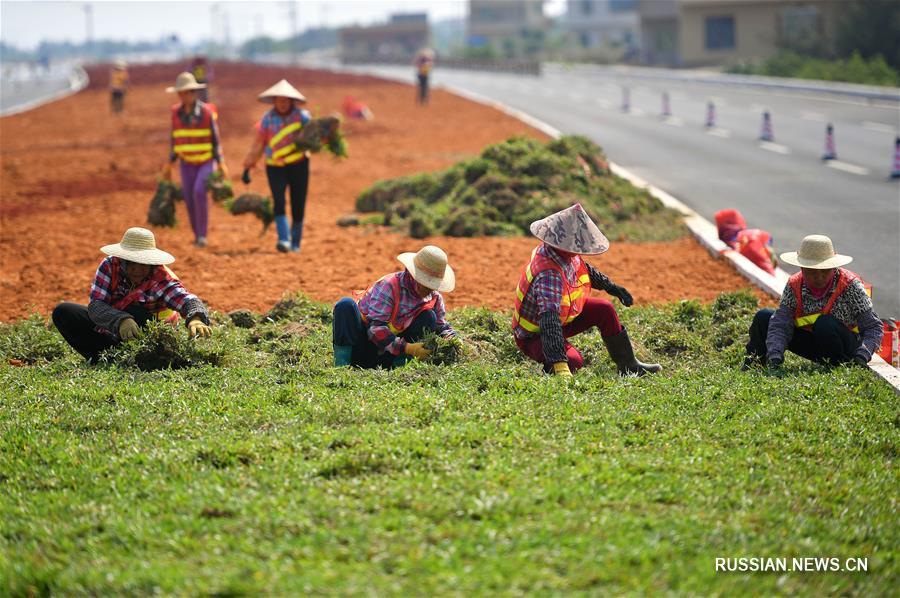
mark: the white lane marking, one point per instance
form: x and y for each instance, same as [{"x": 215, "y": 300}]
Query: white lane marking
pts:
[
  {"x": 876, "y": 126},
  {"x": 674, "y": 121},
  {"x": 775, "y": 147},
  {"x": 717, "y": 132},
  {"x": 847, "y": 167},
  {"x": 815, "y": 116}
]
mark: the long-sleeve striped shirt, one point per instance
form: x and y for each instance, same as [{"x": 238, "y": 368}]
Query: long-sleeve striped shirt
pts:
[
  {"x": 378, "y": 304},
  {"x": 188, "y": 119}
]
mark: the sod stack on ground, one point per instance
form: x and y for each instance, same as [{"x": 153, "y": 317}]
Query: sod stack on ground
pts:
[
  {"x": 262, "y": 470},
  {"x": 514, "y": 183}
]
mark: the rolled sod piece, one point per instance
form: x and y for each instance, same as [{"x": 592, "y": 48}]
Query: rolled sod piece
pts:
[
  {"x": 444, "y": 351},
  {"x": 219, "y": 188},
  {"x": 322, "y": 132},
  {"x": 252, "y": 203},
  {"x": 162, "y": 206}
]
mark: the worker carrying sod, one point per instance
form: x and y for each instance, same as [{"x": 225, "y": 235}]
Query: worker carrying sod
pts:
[
  {"x": 195, "y": 140},
  {"x": 825, "y": 314},
  {"x": 132, "y": 286},
  {"x": 201, "y": 69},
  {"x": 424, "y": 62},
  {"x": 118, "y": 85},
  {"x": 286, "y": 165},
  {"x": 553, "y": 299},
  {"x": 390, "y": 321}
]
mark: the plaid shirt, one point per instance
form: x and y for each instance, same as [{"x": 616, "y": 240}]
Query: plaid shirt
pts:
[
  {"x": 545, "y": 292},
  {"x": 153, "y": 295},
  {"x": 378, "y": 303}
]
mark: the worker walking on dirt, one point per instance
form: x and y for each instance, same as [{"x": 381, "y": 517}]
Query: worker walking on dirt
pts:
[
  {"x": 286, "y": 166},
  {"x": 424, "y": 62},
  {"x": 202, "y": 72},
  {"x": 195, "y": 140},
  {"x": 391, "y": 318},
  {"x": 553, "y": 299},
  {"x": 825, "y": 314},
  {"x": 131, "y": 287},
  {"x": 118, "y": 84}
]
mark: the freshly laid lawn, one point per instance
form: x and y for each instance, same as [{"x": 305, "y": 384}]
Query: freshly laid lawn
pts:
[{"x": 275, "y": 473}]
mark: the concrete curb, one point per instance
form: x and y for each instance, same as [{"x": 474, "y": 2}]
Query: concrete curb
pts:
[
  {"x": 703, "y": 230},
  {"x": 78, "y": 80}
]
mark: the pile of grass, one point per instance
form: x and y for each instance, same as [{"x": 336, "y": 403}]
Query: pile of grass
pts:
[
  {"x": 161, "y": 211},
  {"x": 514, "y": 183},
  {"x": 219, "y": 187},
  {"x": 444, "y": 351},
  {"x": 163, "y": 346},
  {"x": 252, "y": 203},
  {"x": 274, "y": 473},
  {"x": 322, "y": 133}
]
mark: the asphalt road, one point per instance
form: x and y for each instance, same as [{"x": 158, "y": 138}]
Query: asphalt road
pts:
[
  {"x": 784, "y": 188},
  {"x": 14, "y": 94}
]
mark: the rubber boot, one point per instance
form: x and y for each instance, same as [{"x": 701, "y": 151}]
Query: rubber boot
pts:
[
  {"x": 343, "y": 355},
  {"x": 284, "y": 234},
  {"x": 296, "y": 236},
  {"x": 622, "y": 354}
]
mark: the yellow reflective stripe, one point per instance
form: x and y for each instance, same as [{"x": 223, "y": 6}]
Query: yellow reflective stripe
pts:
[
  {"x": 570, "y": 318},
  {"x": 529, "y": 326},
  {"x": 192, "y": 147},
  {"x": 394, "y": 329},
  {"x": 528, "y": 275},
  {"x": 164, "y": 314},
  {"x": 191, "y": 133},
  {"x": 285, "y": 151},
  {"x": 288, "y": 160},
  {"x": 806, "y": 320},
  {"x": 285, "y": 131},
  {"x": 520, "y": 294},
  {"x": 584, "y": 279},
  {"x": 197, "y": 159}
]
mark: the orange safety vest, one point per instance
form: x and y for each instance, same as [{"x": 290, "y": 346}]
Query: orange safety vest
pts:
[
  {"x": 160, "y": 273},
  {"x": 806, "y": 320},
  {"x": 573, "y": 296},
  {"x": 118, "y": 79},
  {"x": 394, "y": 324},
  {"x": 193, "y": 143},
  {"x": 282, "y": 150}
]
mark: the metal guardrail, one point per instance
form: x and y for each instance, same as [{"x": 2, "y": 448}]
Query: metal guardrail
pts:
[{"x": 519, "y": 67}]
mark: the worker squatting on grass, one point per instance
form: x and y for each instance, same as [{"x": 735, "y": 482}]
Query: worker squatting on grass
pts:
[
  {"x": 195, "y": 140},
  {"x": 132, "y": 287},
  {"x": 286, "y": 165}
]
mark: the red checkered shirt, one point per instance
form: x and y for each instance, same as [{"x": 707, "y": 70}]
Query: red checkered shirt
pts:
[
  {"x": 378, "y": 303},
  {"x": 545, "y": 292}
]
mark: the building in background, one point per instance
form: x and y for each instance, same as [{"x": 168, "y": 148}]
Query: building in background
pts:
[
  {"x": 606, "y": 30},
  {"x": 395, "y": 41},
  {"x": 507, "y": 28},
  {"x": 724, "y": 32}
]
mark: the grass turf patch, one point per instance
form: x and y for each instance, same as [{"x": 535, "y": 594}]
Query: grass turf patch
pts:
[
  {"x": 514, "y": 183},
  {"x": 276, "y": 473}
]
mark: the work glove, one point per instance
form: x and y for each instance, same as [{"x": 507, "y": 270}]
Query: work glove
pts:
[
  {"x": 245, "y": 177},
  {"x": 621, "y": 293},
  {"x": 561, "y": 368},
  {"x": 416, "y": 350},
  {"x": 224, "y": 170},
  {"x": 128, "y": 329},
  {"x": 196, "y": 328}
]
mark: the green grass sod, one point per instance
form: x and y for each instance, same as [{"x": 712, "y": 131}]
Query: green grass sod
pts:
[{"x": 275, "y": 473}]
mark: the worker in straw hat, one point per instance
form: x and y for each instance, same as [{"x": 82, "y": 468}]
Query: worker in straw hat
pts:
[
  {"x": 118, "y": 84},
  {"x": 132, "y": 286},
  {"x": 195, "y": 140},
  {"x": 553, "y": 299},
  {"x": 286, "y": 166},
  {"x": 825, "y": 313},
  {"x": 389, "y": 322}
]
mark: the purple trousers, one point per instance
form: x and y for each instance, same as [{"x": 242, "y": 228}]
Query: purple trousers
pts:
[{"x": 193, "y": 185}]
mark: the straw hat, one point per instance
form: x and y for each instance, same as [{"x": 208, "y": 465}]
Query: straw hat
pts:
[
  {"x": 139, "y": 245},
  {"x": 429, "y": 267},
  {"x": 282, "y": 89},
  {"x": 571, "y": 230},
  {"x": 185, "y": 82},
  {"x": 816, "y": 252}
]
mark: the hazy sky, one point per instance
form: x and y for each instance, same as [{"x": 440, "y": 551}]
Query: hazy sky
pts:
[{"x": 26, "y": 23}]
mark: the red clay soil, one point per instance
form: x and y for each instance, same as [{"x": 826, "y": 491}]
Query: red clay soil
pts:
[{"x": 74, "y": 178}]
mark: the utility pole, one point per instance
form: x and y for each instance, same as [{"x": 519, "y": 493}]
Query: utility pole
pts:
[
  {"x": 213, "y": 11},
  {"x": 89, "y": 26},
  {"x": 292, "y": 8}
]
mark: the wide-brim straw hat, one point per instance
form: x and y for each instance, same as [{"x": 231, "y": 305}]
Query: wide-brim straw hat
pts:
[
  {"x": 185, "y": 82},
  {"x": 571, "y": 230},
  {"x": 429, "y": 267},
  {"x": 139, "y": 245},
  {"x": 816, "y": 252},
  {"x": 282, "y": 89}
]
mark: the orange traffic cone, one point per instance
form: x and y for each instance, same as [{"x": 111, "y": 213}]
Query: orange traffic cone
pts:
[
  {"x": 710, "y": 115},
  {"x": 895, "y": 171},
  {"x": 830, "y": 151},
  {"x": 766, "y": 133}
]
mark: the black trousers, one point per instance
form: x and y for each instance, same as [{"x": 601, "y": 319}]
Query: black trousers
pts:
[
  {"x": 423, "y": 89},
  {"x": 296, "y": 176},
  {"x": 829, "y": 341},
  {"x": 348, "y": 330},
  {"x": 73, "y": 323}
]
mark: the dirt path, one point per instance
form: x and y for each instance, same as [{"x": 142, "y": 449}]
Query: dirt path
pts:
[{"x": 73, "y": 178}]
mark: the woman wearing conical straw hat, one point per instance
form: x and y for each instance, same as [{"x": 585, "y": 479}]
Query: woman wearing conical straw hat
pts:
[
  {"x": 195, "y": 140},
  {"x": 553, "y": 299},
  {"x": 825, "y": 314},
  {"x": 132, "y": 286},
  {"x": 286, "y": 166}
]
